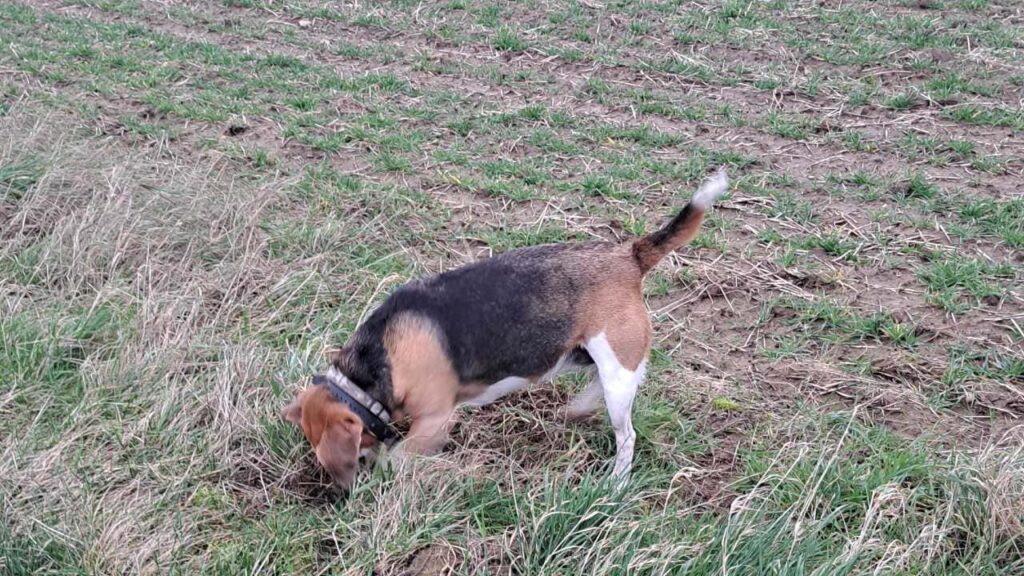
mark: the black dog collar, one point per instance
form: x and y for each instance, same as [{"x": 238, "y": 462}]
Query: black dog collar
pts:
[{"x": 373, "y": 414}]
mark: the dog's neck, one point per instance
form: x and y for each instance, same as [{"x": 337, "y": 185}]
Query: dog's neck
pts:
[{"x": 374, "y": 412}]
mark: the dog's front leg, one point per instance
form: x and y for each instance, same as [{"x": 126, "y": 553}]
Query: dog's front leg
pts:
[{"x": 427, "y": 435}]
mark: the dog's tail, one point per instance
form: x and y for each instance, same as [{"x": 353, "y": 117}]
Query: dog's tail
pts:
[{"x": 650, "y": 249}]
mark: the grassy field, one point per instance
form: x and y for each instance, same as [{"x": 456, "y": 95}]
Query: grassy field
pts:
[{"x": 197, "y": 199}]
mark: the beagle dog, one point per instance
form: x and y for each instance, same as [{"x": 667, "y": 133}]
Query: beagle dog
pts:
[{"x": 476, "y": 333}]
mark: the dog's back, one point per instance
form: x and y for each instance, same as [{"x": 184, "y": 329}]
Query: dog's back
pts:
[
  {"x": 519, "y": 313},
  {"x": 515, "y": 314}
]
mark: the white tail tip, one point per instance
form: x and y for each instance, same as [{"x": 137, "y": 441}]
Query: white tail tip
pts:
[{"x": 710, "y": 190}]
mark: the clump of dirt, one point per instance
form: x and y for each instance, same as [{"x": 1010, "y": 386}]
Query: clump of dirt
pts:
[{"x": 436, "y": 560}]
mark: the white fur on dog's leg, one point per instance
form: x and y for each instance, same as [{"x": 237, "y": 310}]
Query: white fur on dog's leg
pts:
[
  {"x": 586, "y": 402},
  {"x": 427, "y": 436},
  {"x": 619, "y": 394},
  {"x": 619, "y": 385},
  {"x": 397, "y": 456},
  {"x": 497, "y": 390},
  {"x": 399, "y": 460}
]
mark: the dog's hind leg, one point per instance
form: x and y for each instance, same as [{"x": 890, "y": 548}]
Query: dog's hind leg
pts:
[
  {"x": 587, "y": 402},
  {"x": 619, "y": 385}
]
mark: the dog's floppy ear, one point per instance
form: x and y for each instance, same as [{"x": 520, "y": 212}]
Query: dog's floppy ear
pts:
[{"x": 338, "y": 450}]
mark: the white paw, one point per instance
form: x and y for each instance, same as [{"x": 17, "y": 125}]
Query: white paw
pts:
[{"x": 622, "y": 475}]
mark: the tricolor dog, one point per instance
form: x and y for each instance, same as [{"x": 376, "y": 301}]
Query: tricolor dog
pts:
[{"x": 473, "y": 334}]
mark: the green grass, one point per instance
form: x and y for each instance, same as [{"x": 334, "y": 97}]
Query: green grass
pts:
[
  {"x": 19, "y": 177},
  {"x": 196, "y": 202},
  {"x": 507, "y": 40},
  {"x": 968, "y": 369},
  {"x": 952, "y": 279},
  {"x": 794, "y": 129},
  {"x": 1004, "y": 220},
  {"x": 833, "y": 244},
  {"x": 900, "y": 102},
  {"x": 986, "y": 116},
  {"x": 831, "y": 322},
  {"x": 917, "y": 186}
]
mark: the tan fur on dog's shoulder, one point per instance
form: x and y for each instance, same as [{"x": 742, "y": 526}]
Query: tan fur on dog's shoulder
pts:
[{"x": 424, "y": 382}]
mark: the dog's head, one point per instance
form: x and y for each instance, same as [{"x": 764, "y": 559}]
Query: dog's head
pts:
[{"x": 336, "y": 433}]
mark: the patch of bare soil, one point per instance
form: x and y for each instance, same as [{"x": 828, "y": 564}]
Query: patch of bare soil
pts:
[
  {"x": 435, "y": 560},
  {"x": 714, "y": 326}
]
